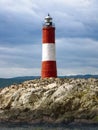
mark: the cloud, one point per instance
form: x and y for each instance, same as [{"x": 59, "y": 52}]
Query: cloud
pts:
[
  {"x": 27, "y": 56},
  {"x": 15, "y": 72},
  {"x": 76, "y": 24},
  {"x": 18, "y": 23},
  {"x": 21, "y": 21},
  {"x": 72, "y": 53},
  {"x": 78, "y": 71}
]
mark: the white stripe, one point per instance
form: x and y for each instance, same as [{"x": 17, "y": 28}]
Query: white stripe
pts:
[{"x": 48, "y": 52}]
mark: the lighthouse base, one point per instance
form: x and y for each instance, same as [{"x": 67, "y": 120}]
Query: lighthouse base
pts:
[{"x": 49, "y": 69}]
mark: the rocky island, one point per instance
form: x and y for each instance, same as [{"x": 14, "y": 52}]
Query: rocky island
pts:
[{"x": 51, "y": 100}]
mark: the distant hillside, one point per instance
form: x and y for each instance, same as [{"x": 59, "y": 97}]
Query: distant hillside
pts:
[
  {"x": 82, "y": 76},
  {"x": 8, "y": 81}
]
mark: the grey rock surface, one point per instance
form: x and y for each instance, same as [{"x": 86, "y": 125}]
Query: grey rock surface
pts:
[{"x": 52, "y": 100}]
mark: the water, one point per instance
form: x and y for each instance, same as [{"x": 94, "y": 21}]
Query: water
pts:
[{"x": 42, "y": 127}]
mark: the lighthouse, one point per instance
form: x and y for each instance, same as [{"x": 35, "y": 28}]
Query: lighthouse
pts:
[{"x": 49, "y": 68}]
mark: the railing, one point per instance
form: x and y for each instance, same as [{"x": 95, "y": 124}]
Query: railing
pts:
[{"x": 46, "y": 25}]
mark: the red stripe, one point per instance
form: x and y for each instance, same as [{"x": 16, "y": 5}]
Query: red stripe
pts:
[
  {"x": 49, "y": 69},
  {"x": 48, "y": 35}
]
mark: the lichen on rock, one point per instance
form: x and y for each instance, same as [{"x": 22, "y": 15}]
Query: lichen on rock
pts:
[{"x": 50, "y": 100}]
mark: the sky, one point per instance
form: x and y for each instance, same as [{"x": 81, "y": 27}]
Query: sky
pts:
[{"x": 76, "y": 23}]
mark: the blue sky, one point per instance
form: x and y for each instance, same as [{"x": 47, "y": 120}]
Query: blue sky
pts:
[{"x": 76, "y": 24}]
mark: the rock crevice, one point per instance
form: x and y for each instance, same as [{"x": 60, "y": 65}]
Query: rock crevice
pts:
[{"x": 50, "y": 100}]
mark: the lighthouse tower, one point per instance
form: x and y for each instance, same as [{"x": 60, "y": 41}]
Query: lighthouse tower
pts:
[{"x": 49, "y": 68}]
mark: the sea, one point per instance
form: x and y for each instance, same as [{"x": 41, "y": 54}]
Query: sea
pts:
[{"x": 47, "y": 127}]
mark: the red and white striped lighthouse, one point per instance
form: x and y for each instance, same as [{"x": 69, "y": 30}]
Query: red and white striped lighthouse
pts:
[{"x": 49, "y": 68}]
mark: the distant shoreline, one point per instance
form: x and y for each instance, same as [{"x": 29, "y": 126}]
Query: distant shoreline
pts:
[{"x": 4, "y": 82}]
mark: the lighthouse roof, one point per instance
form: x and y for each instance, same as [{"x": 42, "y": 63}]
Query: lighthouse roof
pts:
[
  {"x": 48, "y": 21},
  {"x": 48, "y": 17}
]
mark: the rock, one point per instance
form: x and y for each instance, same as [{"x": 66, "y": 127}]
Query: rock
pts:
[{"x": 50, "y": 100}]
